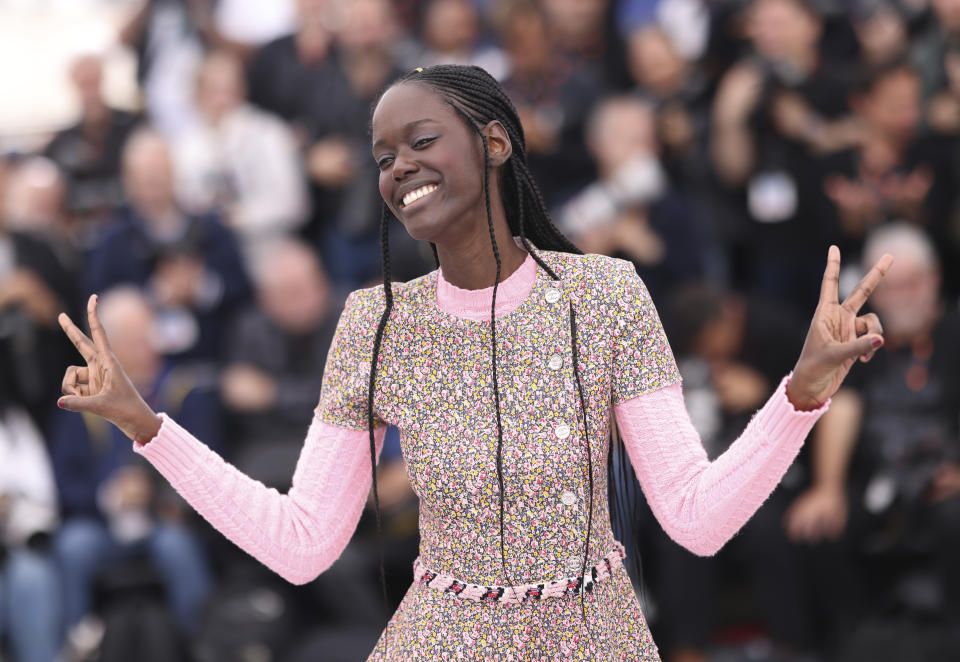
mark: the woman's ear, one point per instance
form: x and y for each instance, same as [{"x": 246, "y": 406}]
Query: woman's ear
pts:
[{"x": 498, "y": 143}]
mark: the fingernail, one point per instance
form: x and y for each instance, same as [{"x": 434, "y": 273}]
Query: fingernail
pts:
[
  {"x": 876, "y": 342},
  {"x": 60, "y": 403}
]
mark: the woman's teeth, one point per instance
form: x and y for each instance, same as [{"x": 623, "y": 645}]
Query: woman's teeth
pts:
[{"x": 416, "y": 194}]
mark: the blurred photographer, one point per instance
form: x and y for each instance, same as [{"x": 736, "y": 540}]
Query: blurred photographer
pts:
[
  {"x": 886, "y": 461},
  {"x": 776, "y": 113},
  {"x": 630, "y": 211}
]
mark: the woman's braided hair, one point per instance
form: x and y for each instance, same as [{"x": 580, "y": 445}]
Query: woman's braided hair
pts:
[{"x": 479, "y": 99}]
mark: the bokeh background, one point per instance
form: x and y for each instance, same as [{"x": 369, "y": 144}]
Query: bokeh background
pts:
[{"x": 204, "y": 165}]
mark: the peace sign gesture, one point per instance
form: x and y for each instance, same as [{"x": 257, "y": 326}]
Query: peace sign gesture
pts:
[
  {"x": 102, "y": 387},
  {"x": 837, "y": 335}
]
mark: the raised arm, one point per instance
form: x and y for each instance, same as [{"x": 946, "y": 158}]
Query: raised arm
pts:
[
  {"x": 298, "y": 534},
  {"x": 699, "y": 503}
]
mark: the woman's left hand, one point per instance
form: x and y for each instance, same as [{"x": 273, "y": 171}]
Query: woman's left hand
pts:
[{"x": 837, "y": 336}]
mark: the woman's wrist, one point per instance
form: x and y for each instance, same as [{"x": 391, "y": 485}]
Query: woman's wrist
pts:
[
  {"x": 144, "y": 430},
  {"x": 801, "y": 400}
]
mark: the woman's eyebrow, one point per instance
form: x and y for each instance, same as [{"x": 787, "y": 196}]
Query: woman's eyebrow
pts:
[{"x": 407, "y": 127}]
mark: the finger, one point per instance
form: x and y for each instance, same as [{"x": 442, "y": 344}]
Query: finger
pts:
[
  {"x": 96, "y": 329},
  {"x": 830, "y": 286},
  {"x": 858, "y": 297},
  {"x": 79, "y": 339},
  {"x": 69, "y": 384},
  {"x": 868, "y": 324},
  {"x": 857, "y": 347},
  {"x": 75, "y": 381}
]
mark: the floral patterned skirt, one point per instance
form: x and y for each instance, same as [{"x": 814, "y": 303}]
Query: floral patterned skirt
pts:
[{"x": 430, "y": 625}]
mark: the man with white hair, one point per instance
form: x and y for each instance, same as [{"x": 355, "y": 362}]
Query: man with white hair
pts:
[
  {"x": 189, "y": 264},
  {"x": 886, "y": 459},
  {"x": 89, "y": 150}
]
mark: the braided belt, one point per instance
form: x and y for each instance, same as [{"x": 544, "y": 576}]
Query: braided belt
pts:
[{"x": 520, "y": 592}]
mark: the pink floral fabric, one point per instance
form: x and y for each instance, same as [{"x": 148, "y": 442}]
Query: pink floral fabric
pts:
[{"x": 435, "y": 384}]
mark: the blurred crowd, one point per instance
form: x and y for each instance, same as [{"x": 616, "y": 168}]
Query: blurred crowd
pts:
[{"x": 719, "y": 145}]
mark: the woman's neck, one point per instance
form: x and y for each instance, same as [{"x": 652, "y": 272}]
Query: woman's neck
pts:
[
  {"x": 469, "y": 263},
  {"x": 470, "y": 269}
]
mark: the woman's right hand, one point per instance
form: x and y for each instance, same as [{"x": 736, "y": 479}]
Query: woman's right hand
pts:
[{"x": 102, "y": 387}]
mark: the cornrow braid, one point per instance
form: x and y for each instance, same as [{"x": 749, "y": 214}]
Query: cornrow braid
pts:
[{"x": 478, "y": 99}]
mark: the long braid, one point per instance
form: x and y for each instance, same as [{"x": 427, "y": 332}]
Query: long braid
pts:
[
  {"x": 493, "y": 351},
  {"x": 377, "y": 340}
]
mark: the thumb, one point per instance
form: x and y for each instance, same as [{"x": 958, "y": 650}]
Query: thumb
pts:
[
  {"x": 80, "y": 403},
  {"x": 863, "y": 346}
]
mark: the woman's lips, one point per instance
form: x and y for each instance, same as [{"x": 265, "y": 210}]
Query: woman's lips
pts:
[{"x": 412, "y": 198}]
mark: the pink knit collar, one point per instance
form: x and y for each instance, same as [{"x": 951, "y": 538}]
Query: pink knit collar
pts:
[{"x": 475, "y": 304}]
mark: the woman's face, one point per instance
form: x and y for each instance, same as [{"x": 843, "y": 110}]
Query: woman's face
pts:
[{"x": 430, "y": 162}]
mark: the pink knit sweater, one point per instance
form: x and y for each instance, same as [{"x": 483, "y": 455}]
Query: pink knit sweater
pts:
[{"x": 700, "y": 504}]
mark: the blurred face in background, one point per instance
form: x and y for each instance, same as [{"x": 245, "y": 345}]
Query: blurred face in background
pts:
[
  {"x": 722, "y": 337},
  {"x": 366, "y": 24},
  {"x": 293, "y": 289},
  {"x": 220, "y": 86},
  {"x": 654, "y": 63},
  {"x": 948, "y": 13},
  {"x": 129, "y": 320},
  {"x": 907, "y": 299},
  {"x": 34, "y": 195},
  {"x": 882, "y": 35},
  {"x": 576, "y": 22},
  {"x": 86, "y": 73},
  {"x": 623, "y": 129},
  {"x": 148, "y": 174},
  {"x": 782, "y": 30},
  {"x": 312, "y": 12},
  {"x": 892, "y": 105},
  {"x": 451, "y": 26},
  {"x": 525, "y": 40}
]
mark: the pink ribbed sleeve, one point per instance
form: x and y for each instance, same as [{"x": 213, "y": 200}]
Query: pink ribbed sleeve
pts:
[
  {"x": 702, "y": 504},
  {"x": 299, "y": 534}
]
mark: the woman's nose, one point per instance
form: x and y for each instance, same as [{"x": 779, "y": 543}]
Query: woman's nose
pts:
[{"x": 403, "y": 166}]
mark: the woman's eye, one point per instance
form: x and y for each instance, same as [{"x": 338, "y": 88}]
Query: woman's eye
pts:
[
  {"x": 384, "y": 162},
  {"x": 423, "y": 142}
]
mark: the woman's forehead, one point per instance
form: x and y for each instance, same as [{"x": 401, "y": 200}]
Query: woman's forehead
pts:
[{"x": 406, "y": 103}]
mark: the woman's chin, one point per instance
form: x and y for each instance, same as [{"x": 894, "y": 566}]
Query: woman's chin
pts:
[{"x": 421, "y": 229}]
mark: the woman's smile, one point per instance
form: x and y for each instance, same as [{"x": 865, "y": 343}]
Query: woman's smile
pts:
[{"x": 414, "y": 198}]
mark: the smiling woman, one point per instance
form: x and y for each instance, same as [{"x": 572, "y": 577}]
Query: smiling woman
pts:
[{"x": 504, "y": 371}]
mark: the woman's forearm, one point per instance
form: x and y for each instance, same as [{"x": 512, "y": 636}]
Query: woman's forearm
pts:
[
  {"x": 699, "y": 503},
  {"x": 299, "y": 534}
]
